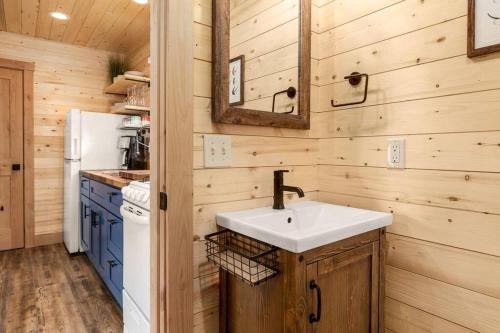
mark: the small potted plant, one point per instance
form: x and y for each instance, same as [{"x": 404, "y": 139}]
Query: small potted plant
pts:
[{"x": 117, "y": 65}]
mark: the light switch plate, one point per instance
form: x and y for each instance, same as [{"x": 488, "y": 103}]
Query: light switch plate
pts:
[
  {"x": 217, "y": 151},
  {"x": 396, "y": 153}
]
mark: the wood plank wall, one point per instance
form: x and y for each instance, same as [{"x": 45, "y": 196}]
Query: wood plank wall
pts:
[
  {"x": 65, "y": 77},
  {"x": 257, "y": 151},
  {"x": 138, "y": 59},
  {"x": 443, "y": 268},
  {"x": 267, "y": 34}
]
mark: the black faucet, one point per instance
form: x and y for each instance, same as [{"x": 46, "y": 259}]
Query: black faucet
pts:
[{"x": 279, "y": 188}]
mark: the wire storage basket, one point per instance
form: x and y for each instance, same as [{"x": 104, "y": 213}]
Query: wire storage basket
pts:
[{"x": 246, "y": 258}]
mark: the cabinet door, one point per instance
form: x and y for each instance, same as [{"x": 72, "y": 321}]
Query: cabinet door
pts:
[
  {"x": 85, "y": 223},
  {"x": 95, "y": 234},
  {"x": 114, "y": 235},
  {"x": 343, "y": 292},
  {"x": 113, "y": 275}
]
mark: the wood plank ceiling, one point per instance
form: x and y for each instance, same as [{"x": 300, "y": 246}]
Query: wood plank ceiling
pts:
[{"x": 113, "y": 25}]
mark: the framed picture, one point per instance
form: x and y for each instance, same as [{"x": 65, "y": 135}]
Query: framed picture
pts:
[
  {"x": 237, "y": 81},
  {"x": 483, "y": 27}
]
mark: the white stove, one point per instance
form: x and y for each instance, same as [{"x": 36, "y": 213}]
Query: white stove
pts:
[
  {"x": 137, "y": 193},
  {"x": 136, "y": 257}
]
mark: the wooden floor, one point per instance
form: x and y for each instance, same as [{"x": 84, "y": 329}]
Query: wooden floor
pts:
[{"x": 45, "y": 290}]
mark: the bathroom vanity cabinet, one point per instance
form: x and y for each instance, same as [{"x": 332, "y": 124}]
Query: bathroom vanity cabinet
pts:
[{"x": 333, "y": 288}]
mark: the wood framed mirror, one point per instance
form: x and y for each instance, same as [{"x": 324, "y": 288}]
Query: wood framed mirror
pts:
[{"x": 262, "y": 62}]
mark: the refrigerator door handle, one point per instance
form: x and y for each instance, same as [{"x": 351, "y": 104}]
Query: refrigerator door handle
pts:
[{"x": 75, "y": 146}]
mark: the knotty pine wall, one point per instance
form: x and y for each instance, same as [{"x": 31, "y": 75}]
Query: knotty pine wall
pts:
[
  {"x": 443, "y": 255},
  {"x": 267, "y": 34},
  {"x": 248, "y": 183},
  {"x": 65, "y": 77},
  {"x": 138, "y": 59},
  {"x": 443, "y": 265}
]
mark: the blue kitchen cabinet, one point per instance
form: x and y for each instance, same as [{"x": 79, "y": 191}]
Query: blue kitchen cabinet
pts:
[
  {"x": 85, "y": 186},
  {"x": 95, "y": 253},
  {"x": 107, "y": 196},
  {"x": 102, "y": 232},
  {"x": 85, "y": 225},
  {"x": 114, "y": 275},
  {"x": 114, "y": 235}
]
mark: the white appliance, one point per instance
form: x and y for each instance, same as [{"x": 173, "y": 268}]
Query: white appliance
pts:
[
  {"x": 90, "y": 143},
  {"x": 136, "y": 257}
]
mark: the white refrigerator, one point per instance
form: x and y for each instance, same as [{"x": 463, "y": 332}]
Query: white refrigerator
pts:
[{"x": 90, "y": 143}]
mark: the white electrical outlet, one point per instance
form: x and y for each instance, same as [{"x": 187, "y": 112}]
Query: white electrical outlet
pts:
[
  {"x": 217, "y": 151},
  {"x": 396, "y": 153}
]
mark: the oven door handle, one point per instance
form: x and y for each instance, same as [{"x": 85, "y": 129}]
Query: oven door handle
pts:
[{"x": 131, "y": 217}]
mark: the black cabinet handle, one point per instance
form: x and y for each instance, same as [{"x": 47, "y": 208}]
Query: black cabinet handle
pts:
[
  {"x": 85, "y": 214},
  {"x": 314, "y": 318},
  {"x": 16, "y": 167},
  {"x": 93, "y": 221},
  {"x": 83, "y": 181},
  {"x": 111, "y": 221},
  {"x": 112, "y": 194},
  {"x": 112, "y": 263}
]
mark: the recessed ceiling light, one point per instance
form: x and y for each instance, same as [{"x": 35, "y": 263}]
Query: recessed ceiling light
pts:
[
  {"x": 59, "y": 16},
  {"x": 141, "y": 2}
]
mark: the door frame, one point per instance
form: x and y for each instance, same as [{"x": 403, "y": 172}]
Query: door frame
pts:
[
  {"x": 27, "y": 69},
  {"x": 171, "y": 51}
]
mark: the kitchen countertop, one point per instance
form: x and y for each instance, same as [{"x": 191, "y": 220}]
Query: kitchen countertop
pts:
[{"x": 109, "y": 177}]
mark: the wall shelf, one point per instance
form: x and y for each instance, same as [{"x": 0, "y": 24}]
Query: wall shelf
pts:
[
  {"x": 120, "y": 86},
  {"x": 130, "y": 128},
  {"x": 131, "y": 110}
]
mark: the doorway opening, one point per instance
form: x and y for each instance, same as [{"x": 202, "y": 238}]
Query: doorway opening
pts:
[{"x": 63, "y": 50}]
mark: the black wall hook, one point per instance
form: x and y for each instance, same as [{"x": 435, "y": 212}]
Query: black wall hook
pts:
[
  {"x": 354, "y": 80},
  {"x": 291, "y": 92}
]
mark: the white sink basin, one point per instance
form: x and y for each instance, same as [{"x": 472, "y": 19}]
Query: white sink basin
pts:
[{"x": 304, "y": 225}]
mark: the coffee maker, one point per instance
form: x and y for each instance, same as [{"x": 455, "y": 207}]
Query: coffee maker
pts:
[
  {"x": 136, "y": 154},
  {"x": 124, "y": 145}
]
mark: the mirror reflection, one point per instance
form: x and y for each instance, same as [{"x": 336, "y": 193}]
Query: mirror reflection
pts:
[{"x": 264, "y": 55}]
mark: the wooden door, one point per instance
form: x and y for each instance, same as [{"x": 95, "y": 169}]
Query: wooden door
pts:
[
  {"x": 171, "y": 166},
  {"x": 348, "y": 283},
  {"x": 11, "y": 154}
]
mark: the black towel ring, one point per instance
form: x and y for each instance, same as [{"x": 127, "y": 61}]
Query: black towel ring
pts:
[
  {"x": 354, "y": 79},
  {"x": 291, "y": 92}
]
